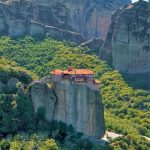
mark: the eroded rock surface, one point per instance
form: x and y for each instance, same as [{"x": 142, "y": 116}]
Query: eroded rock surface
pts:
[
  {"x": 72, "y": 103},
  {"x": 127, "y": 46},
  {"x": 43, "y": 96},
  {"x": 88, "y": 18}
]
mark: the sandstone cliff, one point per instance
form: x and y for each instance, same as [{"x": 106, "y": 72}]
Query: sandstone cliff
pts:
[
  {"x": 88, "y": 18},
  {"x": 72, "y": 103},
  {"x": 127, "y": 46}
]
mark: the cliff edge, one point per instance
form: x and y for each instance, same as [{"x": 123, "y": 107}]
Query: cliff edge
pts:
[
  {"x": 72, "y": 103},
  {"x": 127, "y": 46}
]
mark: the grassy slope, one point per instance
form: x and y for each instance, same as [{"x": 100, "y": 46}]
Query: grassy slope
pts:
[
  {"x": 11, "y": 69},
  {"x": 126, "y": 109}
]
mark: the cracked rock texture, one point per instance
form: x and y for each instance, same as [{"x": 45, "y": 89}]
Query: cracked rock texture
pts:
[
  {"x": 72, "y": 103},
  {"x": 127, "y": 46},
  {"x": 87, "y": 17}
]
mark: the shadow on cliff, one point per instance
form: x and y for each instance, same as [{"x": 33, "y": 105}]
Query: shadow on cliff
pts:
[{"x": 137, "y": 81}]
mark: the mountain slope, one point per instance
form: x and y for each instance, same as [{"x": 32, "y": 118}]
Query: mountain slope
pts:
[
  {"x": 122, "y": 103},
  {"x": 15, "y": 107}
]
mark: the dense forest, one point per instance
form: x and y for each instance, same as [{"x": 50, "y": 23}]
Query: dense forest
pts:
[
  {"x": 127, "y": 109},
  {"x": 20, "y": 127}
]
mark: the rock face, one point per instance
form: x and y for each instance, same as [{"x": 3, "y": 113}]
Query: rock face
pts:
[
  {"x": 127, "y": 46},
  {"x": 12, "y": 83},
  {"x": 88, "y": 18},
  {"x": 94, "y": 45},
  {"x": 43, "y": 96},
  {"x": 72, "y": 103},
  {"x": 20, "y": 18}
]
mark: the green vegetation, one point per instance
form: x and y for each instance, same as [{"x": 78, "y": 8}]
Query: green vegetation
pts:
[
  {"x": 10, "y": 69},
  {"x": 16, "y": 112},
  {"x": 126, "y": 110},
  {"x": 21, "y": 128},
  {"x": 47, "y": 144},
  {"x": 43, "y": 56}
]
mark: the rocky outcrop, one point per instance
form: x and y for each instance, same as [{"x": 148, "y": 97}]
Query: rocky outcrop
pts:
[
  {"x": 43, "y": 96},
  {"x": 72, "y": 103},
  {"x": 12, "y": 84},
  {"x": 88, "y": 18},
  {"x": 127, "y": 46},
  {"x": 94, "y": 46}
]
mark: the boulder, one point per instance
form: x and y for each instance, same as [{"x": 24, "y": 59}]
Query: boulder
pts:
[{"x": 12, "y": 83}]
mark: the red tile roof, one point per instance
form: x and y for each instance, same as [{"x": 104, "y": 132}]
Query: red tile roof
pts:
[
  {"x": 73, "y": 72},
  {"x": 79, "y": 71},
  {"x": 57, "y": 72}
]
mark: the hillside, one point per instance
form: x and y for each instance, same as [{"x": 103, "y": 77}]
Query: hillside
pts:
[
  {"x": 16, "y": 112},
  {"x": 20, "y": 126},
  {"x": 126, "y": 109}
]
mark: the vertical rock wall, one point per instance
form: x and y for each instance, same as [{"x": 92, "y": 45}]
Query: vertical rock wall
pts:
[
  {"x": 43, "y": 96},
  {"x": 87, "y": 17},
  {"x": 128, "y": 41},
  {"x": 72, "y": 103},
  {"x": 90, "y": 18},
  {"x": 80, "y": 106}
]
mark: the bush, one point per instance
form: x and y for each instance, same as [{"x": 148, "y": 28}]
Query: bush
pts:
[{"x": 5, "y": 145}]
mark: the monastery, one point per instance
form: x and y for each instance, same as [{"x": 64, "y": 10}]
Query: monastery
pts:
[{"x": 77, "y": 75}]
